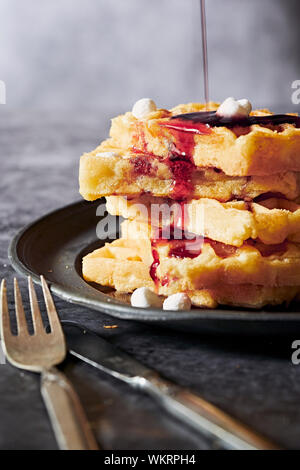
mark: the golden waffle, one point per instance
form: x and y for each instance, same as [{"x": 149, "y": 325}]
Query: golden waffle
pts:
[
  {"x": 129, "y": 174},
  {"x": 272, "y": 221},
  {"x": 243, "y": 295},
  {"x": 123, "y": 265},
  {"x": 255, "y": 150},
  {"x": 194, "y": 264}
]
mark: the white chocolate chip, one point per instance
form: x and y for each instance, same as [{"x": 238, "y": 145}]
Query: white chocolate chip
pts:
[
  {"x": 143, "y": 107},
  {"x": 180, "y": 301},
  {"x": 145, "y": 298},
  {"x": 231, "y": 108},
  {"x": 107, "y": 154}
]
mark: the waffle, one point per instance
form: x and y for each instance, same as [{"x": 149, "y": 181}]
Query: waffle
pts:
[
  {"x": 194, "y": 264},
  {"x": 124, "y": 265},
  {"x": 256, "y": 150},
  {"x": 243, "y": 295},
  {"x": 272, "y": 221},
  {"x": 130, "y": 174}
]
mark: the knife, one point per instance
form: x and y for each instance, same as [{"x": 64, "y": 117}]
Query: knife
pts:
[{"x": 193, "y": 410}]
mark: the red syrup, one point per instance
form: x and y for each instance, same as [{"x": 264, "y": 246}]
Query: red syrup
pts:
[
  {"x": 190, "y": 246},
  {"x": 186, "y": 248},
  {"x": 154, "y": 266},
  {"x": 180, "y": 246},
  {"x": 165, "y": 281},
  {"x": 180, "y": 158},
  {"x": 269, "y": 195},
  {"x": 142, "y": 165},
  {"x": 182, "y": 172},
  {"x": 181, "y": 169},
  {"x": 268, "y": 250},
  {"x": 221, "y": 249},
  {"x": 224, "y": 251},
  {"x": 183, "y": 131}
]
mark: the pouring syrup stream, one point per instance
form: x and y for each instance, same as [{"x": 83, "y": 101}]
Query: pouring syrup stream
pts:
[{"x": 204, "y": 52}]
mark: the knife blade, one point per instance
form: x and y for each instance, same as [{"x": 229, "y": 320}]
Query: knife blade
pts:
[
  {"x": 101, "y": 354},
  {"x": 194, "y": 411}
]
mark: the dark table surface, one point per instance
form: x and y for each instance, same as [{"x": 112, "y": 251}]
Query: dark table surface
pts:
[{"x": 252, "y": 379}]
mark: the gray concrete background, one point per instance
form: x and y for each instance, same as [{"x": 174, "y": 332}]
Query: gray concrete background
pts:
[{"x": 102, "y": 55}]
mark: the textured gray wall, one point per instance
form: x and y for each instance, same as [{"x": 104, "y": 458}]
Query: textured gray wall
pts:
[{"x": 105, "y": 54}]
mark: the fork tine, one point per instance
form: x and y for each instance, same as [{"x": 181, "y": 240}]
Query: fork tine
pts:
[
  {"x": 20, "y": 314},
  {"x": 35, "y": 310},
  {"x": 4, "y": 313},
  {"x": 51, "y": 309}
]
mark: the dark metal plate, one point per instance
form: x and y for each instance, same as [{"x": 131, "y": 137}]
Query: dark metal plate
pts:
[{"x": 54, "y": 246}]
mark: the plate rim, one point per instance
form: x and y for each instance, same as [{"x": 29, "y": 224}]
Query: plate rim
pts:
[{"x": 126, "y": 312}]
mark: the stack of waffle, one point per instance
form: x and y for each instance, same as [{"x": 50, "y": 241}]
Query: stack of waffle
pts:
[{"x": 210, "y": 204}]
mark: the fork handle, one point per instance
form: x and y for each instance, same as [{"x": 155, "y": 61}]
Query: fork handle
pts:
[{"x": 68, "y": 419}]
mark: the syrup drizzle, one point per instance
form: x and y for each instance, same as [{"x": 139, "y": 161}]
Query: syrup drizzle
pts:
[
  {"x": 182, "y": 171},
  {"x": 204, "y": 52},
  {"x": 181, "y": 168},
  {"x": 182, "y": 245},
  {"x": 186, "y": 125},
  {"x": 154, "y": 266},
  {"x": 179, "y": 247},
  {"x": 180, "y": 157}
]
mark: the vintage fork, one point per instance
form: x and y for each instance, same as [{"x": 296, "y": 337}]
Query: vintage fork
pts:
[{"x": 40, "y": 352}]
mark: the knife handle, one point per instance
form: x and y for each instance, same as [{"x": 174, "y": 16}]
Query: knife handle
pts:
[
  {"x": 203, "y": 416},
  {"x": 68, "y": 419}
]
